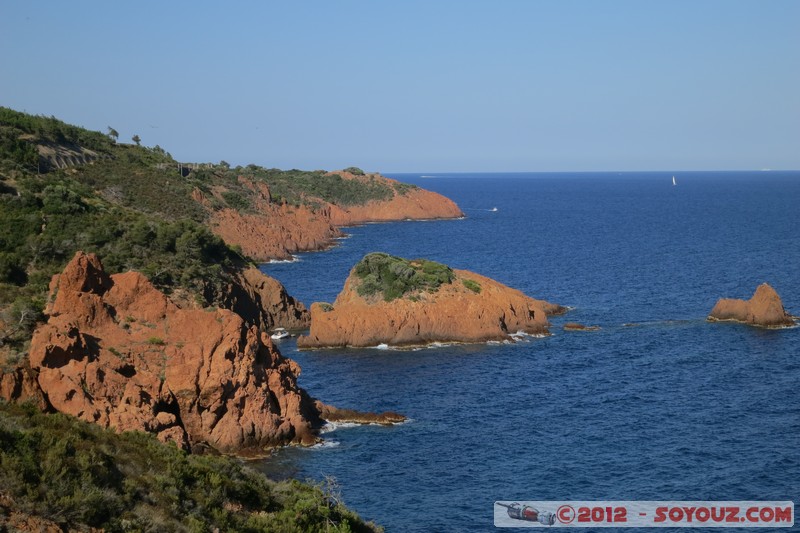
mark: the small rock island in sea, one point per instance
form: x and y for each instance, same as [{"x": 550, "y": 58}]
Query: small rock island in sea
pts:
[
  {"x": 401, "y": 302},
  {"x": 764, "y": 309}
]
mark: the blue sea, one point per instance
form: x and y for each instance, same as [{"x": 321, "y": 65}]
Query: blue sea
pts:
[{"x": 657, "y": 405}]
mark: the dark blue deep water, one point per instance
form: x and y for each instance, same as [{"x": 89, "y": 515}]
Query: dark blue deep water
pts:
[{"x": 658, "y": 405}]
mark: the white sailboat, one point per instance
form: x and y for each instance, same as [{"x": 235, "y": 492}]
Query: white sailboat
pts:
[{"x": 673, "y": 180}]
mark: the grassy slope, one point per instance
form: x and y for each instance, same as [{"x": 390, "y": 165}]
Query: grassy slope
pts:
[{"x": 77, "y": 474}]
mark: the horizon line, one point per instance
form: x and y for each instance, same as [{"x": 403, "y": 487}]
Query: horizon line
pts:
[{"x": 589, "y": 171}]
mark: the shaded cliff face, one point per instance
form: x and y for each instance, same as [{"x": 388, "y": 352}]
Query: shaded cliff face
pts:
[
  {"x": 117, "y": 352},
  {"x": 765, "y": 309},
  {"x": 454, "y": 313},
  {"x": 278, "y": 230},
  {"x": 263, "y": 301}
]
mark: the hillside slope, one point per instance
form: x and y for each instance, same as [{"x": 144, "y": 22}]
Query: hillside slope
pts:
[{"x": 58, "y": 473}]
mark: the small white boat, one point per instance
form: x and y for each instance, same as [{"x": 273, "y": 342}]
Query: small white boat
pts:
[
  {"x": 493, "y": 209},
  {"x": 279, "y": 333},
  {"x": 673, "y": 180}
]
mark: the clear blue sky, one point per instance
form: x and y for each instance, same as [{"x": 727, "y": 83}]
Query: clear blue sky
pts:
[{"x": 429, "y": 86}]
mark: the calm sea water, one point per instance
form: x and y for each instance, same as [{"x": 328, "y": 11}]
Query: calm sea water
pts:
[{"x": 657, "y": 405}]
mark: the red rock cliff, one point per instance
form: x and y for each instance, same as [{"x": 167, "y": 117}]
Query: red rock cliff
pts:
[
  {"x": 117, "y": 352},
  {"x": 276, "y": 231},
  {"x": 263, "y": 301},
  {"x": 452, "y": 314},
  {"x": 765, "y": 309}
]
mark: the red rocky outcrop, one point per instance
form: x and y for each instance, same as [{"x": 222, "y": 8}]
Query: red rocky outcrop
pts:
[
  {"x": 117, "y": 352},
  {"x": 263, "y": 301},
  {"x": 278, "y": 230},
  {"x": 454, "y": 313},
  {"x": 765, "y": 309}
]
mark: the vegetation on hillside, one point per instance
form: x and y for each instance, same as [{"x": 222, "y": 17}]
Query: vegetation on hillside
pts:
[
  {"x": 21, "y": 152},
  {"x": 46, "y": 217},
  {"x": 133, "y": 206},
  {"x": 79, "y": 475},
  {"x": 392, "y": 276},
  {"x": 49, "y": 218}
]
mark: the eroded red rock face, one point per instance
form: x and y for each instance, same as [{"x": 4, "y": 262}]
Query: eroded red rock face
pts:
[
  {"x": 117, "y": 352},
  {"x": 263, "y": 301},
  {"x": 276, "y": 231},
  {"x": 453, "y": 314},
  {"x": 765, "y": 309}
]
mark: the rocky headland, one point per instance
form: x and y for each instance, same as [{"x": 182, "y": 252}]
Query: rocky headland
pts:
[
  {"x": 276, "y": 229},
  {"x": 118, "y": 352},
  {"x": 764, "y": 309},
  {"x": 390, "y": 300}
]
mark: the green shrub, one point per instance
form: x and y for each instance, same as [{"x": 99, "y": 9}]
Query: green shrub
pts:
[
  {"x": 156, "y": 341},
  {"x": 404, "y": 188},
  {"x": 236, "y": 201},
  {"x": 474, "y": 286},
  {"x": 392, "y": 276}
]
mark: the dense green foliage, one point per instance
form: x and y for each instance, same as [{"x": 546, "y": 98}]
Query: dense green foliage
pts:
[
  {"x": 78, "y": 474},
  {"x": 392, "y": 276}
]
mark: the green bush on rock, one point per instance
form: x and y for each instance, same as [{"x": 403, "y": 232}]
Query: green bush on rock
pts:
[
  {"x": 474, "y": 286},
  {"x": 392, "y": 276}
]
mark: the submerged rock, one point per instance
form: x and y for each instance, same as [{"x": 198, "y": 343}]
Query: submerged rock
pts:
[
  {"x": 389, "y": 300},
  {"x": 574, "y": 326},
  {"x": 764, "y": 309}
]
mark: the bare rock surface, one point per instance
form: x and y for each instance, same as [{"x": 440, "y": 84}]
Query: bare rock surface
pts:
[
  {"x": 764, "y": 308},
  {"x": 117, "y": 352}
]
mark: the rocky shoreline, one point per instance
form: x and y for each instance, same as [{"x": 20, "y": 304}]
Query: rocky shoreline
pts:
[{"x": 276, "y": 230}]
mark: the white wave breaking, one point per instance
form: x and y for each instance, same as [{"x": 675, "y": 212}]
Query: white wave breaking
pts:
[
  {"x": 294, "y": 259},
  {"x": 324, "y": 445}
]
